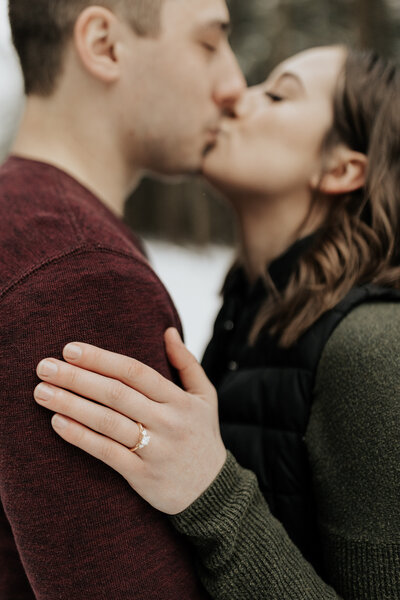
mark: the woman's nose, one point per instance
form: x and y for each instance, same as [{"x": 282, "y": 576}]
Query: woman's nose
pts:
[{"x": 246, "y": 103}]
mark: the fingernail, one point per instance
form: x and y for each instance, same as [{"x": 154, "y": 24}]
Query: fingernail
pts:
[
  {"x": 72, "y": 351},
  {"x": 44, "y": 392},
  {"x": 59, "y": 422},
  {"x": 47, "y": 368}
]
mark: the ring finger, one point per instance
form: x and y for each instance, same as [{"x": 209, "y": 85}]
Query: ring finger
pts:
[{"x": 95, "y": 416}]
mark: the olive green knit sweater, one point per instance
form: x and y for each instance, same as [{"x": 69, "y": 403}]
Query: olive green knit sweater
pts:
[{"x": 353, "y": 440}]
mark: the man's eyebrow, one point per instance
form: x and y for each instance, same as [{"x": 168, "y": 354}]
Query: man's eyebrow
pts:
[{"x": 223, "y": 25}]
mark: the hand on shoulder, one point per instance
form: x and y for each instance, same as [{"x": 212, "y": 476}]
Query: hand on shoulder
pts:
[{"x": 184, "y": 451}]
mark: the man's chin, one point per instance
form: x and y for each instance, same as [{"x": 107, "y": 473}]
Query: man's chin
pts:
[
  {"x": 207, "y": 153},
  {"x": 176, "y": 174},
  {"x": 209, "y": 148},
  {"x": 183, "y": 167}
]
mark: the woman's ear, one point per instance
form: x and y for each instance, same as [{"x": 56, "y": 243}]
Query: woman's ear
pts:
[
  {"x": 346, "y": 173},
  {"x": 96, "y": 38}
]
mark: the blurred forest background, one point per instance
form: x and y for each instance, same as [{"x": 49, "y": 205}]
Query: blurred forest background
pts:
[{"x": 264, "y": 33}]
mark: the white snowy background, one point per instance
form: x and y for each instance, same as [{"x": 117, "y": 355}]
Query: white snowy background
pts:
[
  {"x": 193, "y": 277},
  {"x": 11, "y": 87}
]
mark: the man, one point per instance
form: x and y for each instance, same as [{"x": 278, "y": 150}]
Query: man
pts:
[{"x": 114, "y": 91}]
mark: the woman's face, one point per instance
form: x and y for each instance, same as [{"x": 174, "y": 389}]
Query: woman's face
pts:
[{"x": 272, "y": 146}]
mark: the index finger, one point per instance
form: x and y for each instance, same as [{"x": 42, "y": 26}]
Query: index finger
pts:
[{"x": 129, "y": 371}]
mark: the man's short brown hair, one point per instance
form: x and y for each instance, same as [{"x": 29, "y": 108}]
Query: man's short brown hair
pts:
[{"x": 41, "y": 28}]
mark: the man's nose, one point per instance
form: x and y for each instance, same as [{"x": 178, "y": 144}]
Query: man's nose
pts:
[{"x": 230, "y": 86}]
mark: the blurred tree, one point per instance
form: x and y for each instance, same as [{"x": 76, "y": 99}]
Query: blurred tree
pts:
[
  {"x": 375, "y": 25},
  {"x": 188, "y": 213},
  {"x": 264, "y": 33}
]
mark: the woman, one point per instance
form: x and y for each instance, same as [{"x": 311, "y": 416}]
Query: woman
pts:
[{"x": 305, "y": 353}]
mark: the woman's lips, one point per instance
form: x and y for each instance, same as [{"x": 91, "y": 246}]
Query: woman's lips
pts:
[{"x": 211, "y": 139}]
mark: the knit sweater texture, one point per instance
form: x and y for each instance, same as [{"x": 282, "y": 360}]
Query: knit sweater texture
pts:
[
  {"x": 70, "y": 527},
  {"x": 352, "y": 439}
]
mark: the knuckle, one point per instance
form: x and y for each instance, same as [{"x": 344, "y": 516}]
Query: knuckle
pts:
[
  {"x": 190, "y": 365},
  {"x": 192, "y": 359},
  {"x": 60, "y": 397},
  {"x": 108, "y": 422},
  {"x": 157, "y": 379},
  {"x": 164, "y": 419},
  {"x": 180, "y": 426},
  {"x": 134, "y": 370},
  {"x": 95, "y": 355},
  {"x": 72, "y": 375},
  {"x": 78, "y": 433},
  {"x": 107, "y": 452},
  {"x": 61, "y": 400},
  {"x": 94, "y": 352},
  {"x": 116, "y": 392}
]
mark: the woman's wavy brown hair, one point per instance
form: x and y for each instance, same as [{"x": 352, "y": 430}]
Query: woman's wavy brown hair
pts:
[{"x": 360, "y": 239}]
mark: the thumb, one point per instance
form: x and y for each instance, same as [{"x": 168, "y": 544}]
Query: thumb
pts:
[{"x": 191, "y": 373}]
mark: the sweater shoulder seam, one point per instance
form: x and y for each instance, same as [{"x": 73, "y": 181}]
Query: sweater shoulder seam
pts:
[{"x": 75, "y": 251}]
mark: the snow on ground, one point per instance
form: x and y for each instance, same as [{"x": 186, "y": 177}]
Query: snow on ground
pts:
[{"x": 193, "y": 278}]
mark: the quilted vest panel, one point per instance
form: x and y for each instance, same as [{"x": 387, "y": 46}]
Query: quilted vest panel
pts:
[{"x": 265, "y": 398}]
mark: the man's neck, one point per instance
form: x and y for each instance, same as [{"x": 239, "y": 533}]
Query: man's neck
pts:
[{"x": 84, "y": 149}]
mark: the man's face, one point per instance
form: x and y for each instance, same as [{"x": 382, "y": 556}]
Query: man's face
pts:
[{"x": 176, "y": 87}]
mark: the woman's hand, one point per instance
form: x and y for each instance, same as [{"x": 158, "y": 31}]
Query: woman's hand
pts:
[{"x": 185, "y": 452}]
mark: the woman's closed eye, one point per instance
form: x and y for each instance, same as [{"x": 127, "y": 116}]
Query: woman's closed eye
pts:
[{"x": 274, "y": 97}]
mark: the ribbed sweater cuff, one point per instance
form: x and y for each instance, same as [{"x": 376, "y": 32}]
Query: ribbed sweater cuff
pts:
[{"x": 225, "y": 496}]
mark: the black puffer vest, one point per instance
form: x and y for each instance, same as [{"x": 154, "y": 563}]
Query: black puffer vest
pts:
[{"x": 265, "y": 395}]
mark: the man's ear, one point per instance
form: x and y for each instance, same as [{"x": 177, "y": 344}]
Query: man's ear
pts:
[
  {"x": 96, "y": 39},
  {"x": 346, "y": 173}
]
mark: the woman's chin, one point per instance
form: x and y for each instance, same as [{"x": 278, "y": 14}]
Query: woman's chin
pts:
[
  {"x": 221, "y": 171},
  {"x": 216, "y": 178},
  {"x": 222, "y": 184}
]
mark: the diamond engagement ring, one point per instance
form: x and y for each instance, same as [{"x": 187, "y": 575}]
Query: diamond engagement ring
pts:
[{"x": 143, "y": 440}]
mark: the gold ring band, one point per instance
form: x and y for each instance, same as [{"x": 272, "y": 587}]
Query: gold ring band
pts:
[{"x": 143, "y": 440}]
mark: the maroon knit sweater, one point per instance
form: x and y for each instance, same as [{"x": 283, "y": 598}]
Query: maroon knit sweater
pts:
[{"x": 70, "y": 527}]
